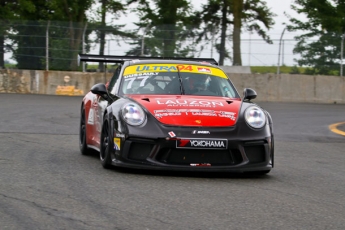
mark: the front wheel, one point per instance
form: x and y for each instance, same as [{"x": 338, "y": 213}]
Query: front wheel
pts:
[{"x": 106, "y": 145}]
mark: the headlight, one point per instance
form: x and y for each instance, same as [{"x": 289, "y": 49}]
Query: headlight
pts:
[
  {"x": 255, "y": 117},
  {"x": 133, "y": 114}
]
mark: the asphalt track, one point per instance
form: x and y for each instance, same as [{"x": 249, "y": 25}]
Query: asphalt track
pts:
[{"x": 45, "y": 183}]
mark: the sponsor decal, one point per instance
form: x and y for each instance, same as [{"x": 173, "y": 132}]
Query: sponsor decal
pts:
[
  {"x": 136, "y": 69},
  {"x": 141, "y": 74},
  {"x": 192, "y": 103},
  {"x": 144, "y": 68},
  {"x": 166, "y": 114},
  {"x": 193, "y": 112},
  {"x": 185, "y": 67},
  {"x": 202, "y": 143},
  {"x": 229, "y": 115},
  {"x": 200, "y": 164},
  {"x": 117, "y": 143},
  {"x": 165, "y": 68},
  {"x": 172, "y": 134},
  {"x": 204, "y": 70},
  {"x": 201, "y": 132},
  {"x": 91, "y": 118},
  {"x": 120, "y": 135}
]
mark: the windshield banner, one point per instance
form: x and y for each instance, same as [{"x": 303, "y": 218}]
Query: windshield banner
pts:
[{"x": 154, "y": 68}]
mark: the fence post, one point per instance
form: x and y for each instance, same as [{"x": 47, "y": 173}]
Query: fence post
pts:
[
  {"x": 84, "y": 31},
  {"x": 280, "y": 43},
  {"x": 341, "y": 54},
  {"x": 47, "y": 46},
  {"x": 143, "y": 40}
]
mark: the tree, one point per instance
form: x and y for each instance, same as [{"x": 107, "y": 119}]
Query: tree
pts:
[
  {"x": 166, "y": 26},
  {"x": 250, "y": 14},
  {"x": 255, "y": 16},
  {"x": 65, "y": 21},
  {"x": 214, "y": 15},
  {"x": 320, "y": 44},
  {"x": 74, "y": 13},
  {"x": 99, "y": 25},
  {"x": 6, "y": 14},
  {"x": 28, "y": 33},
  {"x": 8, "y": 9}
]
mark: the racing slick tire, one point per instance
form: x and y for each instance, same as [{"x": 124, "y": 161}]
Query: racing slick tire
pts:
[
  {"x": 82, "y": 134},
  {"x": 106, "y": 145}
]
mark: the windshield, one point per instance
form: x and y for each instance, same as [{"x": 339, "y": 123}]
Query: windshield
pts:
[{"x": 165, "y": 79}]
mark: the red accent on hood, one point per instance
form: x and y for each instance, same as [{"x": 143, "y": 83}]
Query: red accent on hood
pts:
[{"x": 191, "y": 110}]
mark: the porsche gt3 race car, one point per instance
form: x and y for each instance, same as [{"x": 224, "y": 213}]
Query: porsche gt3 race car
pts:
[{"x": 174, "y": 114}]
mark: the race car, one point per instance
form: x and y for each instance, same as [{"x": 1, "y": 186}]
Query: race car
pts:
[{"x": 174, "y": 114}]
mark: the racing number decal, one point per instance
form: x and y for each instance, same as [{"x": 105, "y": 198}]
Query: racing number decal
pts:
[
  {"x": 131, "y": 80},
  {"x": 185, "y": 67}
]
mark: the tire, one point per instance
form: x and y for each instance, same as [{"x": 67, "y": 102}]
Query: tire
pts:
[
  {"x": 82, "y": 134},
  {"x": 106, "y": 145}
]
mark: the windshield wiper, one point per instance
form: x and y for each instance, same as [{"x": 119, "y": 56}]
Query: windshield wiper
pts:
[{"x": 180, "y": 79}]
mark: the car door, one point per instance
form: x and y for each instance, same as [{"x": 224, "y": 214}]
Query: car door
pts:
[{"x": 101, "y": 105}]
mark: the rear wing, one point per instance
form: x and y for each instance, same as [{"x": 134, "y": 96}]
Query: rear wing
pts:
[{"x": 121, "y": 59}]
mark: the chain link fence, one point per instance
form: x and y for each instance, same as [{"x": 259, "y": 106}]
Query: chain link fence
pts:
[{"x": 55, "y": 45}]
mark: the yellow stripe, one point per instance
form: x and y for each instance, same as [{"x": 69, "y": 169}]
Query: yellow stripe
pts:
[
  {"x": 142, "y": 68},
  {"x": 334, "y": 128}
]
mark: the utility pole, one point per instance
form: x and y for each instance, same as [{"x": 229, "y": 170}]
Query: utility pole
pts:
[
  {"x": 283, "y": 51},
  {"x": 47, "y": 46},
  {"x": 341, "y": 54},
  {"x": 83, "y": 45},
  {"x": 249, "y": 47},
  {"x": 143, "y": 40},
  {"x": 280, "y": 44}
]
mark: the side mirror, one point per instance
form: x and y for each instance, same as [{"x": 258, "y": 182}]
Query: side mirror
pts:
[
  {"x": 100, "y": 90},
  {"x": 249, "y": 94}
]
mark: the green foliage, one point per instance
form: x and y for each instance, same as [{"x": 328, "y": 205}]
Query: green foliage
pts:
[
  {"x": 295, "y": 70},
  {"x": 258, "y": 16},
  {"x": 30, "y": 21},
  {"x": 320, "y": 44},
  {"x": 99, "y": 25},
  {"x": 253, "y": 15},
  {"x": 28, "y": 32},
  {"x": 165, "y": 28}
]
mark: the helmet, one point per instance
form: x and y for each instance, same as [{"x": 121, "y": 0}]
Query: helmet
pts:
[{"x": 198, "y": 82}]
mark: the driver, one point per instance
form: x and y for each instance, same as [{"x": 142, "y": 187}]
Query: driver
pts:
[{"x": 196, "y": 83}]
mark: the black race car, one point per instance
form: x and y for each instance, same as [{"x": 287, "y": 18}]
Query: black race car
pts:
[{"x": 174, "y": 114}]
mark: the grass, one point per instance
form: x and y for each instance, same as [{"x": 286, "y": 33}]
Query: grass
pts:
[{"x": 273, "y": 69}]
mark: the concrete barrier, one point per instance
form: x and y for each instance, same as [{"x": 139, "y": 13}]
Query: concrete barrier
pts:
[
  {"x": 269, "y": 87},
  {"x": 293, "y": 88},
  {"x": 49, "y": 82}
]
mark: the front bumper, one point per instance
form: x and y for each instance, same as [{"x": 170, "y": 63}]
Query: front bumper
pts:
[{"x": 162, "y": 154}]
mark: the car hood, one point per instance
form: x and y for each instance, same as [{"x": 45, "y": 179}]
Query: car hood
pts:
[{"x": 187, "y": 110}]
